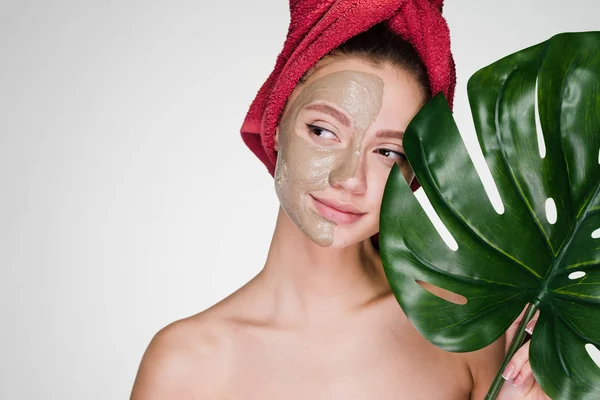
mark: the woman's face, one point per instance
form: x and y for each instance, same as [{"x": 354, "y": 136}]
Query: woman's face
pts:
[{"x": 338, "y": 138}]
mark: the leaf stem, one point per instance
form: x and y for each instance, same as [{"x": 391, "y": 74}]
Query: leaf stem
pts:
[{"x": 514, "y": 346}]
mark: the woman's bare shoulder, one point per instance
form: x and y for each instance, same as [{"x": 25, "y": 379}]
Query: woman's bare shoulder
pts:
[{"x": 185, "y": 359}]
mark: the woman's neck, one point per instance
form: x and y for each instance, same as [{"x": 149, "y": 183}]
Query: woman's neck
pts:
[{"x": 311, "y": 284}]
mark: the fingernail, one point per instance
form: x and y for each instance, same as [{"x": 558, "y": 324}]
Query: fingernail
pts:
[
  {"x": 508, "y": 372},
  {"x": 530, "y": 326}
]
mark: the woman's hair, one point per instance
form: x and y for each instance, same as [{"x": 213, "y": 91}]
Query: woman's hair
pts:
[{"x": 379, "y": 45}]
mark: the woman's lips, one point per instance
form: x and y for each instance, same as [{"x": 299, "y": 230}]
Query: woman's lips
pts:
[{"x": 328, "y": 210}]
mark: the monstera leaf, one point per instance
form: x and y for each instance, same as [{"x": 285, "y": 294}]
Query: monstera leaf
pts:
[{"x": 544, "y": 248}]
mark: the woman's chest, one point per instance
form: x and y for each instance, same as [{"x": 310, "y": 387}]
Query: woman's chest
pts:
[{"x": 364, "y": 364}]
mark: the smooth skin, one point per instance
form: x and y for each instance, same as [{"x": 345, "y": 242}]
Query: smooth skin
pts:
[{"x": 320, "y": 322}]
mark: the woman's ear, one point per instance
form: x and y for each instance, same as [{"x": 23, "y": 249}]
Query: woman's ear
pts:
[{"x": 276, "y": 139}]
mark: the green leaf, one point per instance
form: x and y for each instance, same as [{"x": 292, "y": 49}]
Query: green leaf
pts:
[{"x": 505, "y": 261}]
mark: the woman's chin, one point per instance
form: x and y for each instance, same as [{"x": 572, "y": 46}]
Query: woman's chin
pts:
[{"x": 344, "y": 237}]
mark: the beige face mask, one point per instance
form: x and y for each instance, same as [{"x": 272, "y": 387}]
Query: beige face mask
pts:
[{"x": 304, "y": 166}]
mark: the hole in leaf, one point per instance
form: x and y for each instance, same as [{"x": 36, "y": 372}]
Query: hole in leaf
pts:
[
  {"x": 598, "y": 156},
  {"x": 435, "y": 220},
  {"x": 443, "y": 293},
  {"x": 538, "y": 125},
  {"x": 594, "y": 353},
  {"x": 596, "y": 234},
  {"x": 550, "y": 210},
  {"x": 576, "y": 275},
  {"x": 483, "y": 170}
]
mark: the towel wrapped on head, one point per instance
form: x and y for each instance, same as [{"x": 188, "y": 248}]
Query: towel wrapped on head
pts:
[{"x": 319, "y": 26}]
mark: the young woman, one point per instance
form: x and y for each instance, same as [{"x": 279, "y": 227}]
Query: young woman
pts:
[{"x": 320, "y": 321}]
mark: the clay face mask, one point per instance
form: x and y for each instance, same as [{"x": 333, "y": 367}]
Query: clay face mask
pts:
[{"x": 304, "y": 165}]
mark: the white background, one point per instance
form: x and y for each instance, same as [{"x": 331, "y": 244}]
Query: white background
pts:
[{"x": 127, "y": 198}]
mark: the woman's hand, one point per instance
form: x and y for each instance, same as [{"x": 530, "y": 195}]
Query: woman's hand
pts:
[{"x": 520, "y": 383}]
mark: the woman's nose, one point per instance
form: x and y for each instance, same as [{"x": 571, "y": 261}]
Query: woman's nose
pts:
[{"x": 348, "y": 171}]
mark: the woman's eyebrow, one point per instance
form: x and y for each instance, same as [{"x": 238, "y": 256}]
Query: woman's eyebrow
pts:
[
  {"x": 324, "y": 108},
  {"x": 390, "y": 134}
]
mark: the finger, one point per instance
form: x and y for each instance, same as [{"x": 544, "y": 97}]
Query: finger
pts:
[
  {"x": 517, "y": 362},
  {"x": 529, "y": 389},
  {"x": 525, "y": 388},
  {"x": 524, "y": 375},
  {"x": 511, "y": 392}
]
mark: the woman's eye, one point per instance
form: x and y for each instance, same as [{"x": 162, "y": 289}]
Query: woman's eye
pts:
[
  {"x": 320, "y": 132},
  {"x": 393, "y": 155}
]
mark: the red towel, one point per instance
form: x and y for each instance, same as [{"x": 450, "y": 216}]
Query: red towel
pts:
[{"x": 319, "y": 26}]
